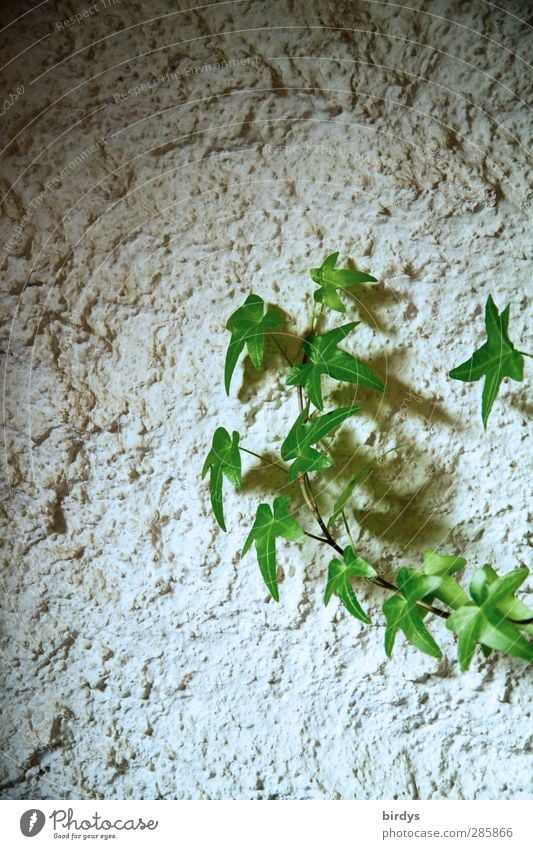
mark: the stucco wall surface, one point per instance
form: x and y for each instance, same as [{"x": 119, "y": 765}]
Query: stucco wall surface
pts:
[{"x": 160, "y": 163}]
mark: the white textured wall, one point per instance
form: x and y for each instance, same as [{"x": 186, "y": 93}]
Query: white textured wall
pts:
[{"x": 141, "y": 656}]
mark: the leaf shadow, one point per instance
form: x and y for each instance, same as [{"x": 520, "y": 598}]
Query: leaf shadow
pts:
[
  {"x": 374, "y": 299},
  {"x": 398, "y": 398},
  {"x": 406, "y": 522},
  {"x": 262, "y": 478},
  {"x": 388, "y": 510},
  {"x": 522, "y": 405}
]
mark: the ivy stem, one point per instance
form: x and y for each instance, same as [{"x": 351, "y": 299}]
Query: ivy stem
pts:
[
  {"x": 310, "y": 500},
  {"x": 312, "y": 507},
  {"x": 263, "y": 458},
  {"x": 314, "y": 536},
  {"x": 348, "y": 531},
  {"x": 316, "y": 318},
  {"x": 525, "y": 354},
  {"x": 312, "y": 317},
  {"x": 280, "y": 349},
  {"x": 379, "y": 581},
  {"x": 305, "y": 484}
]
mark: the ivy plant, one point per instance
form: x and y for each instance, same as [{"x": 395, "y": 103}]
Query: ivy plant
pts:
[{"x": 489, "y": 615}]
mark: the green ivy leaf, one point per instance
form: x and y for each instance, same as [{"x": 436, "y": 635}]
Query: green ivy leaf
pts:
[
  {"x": 340, "y": 574},
  {"x": 467, "y": 625},
  {"x": 248, "y": 325},
  {"x": 341, "y": 501},
  {"x": 403, "y": 614},
  {"x": 400, "y": 616},
  {"x": 267, "y": 527},
  {"x": 223, "y": 459},
  {"x": 481, "y": 621},
  {"x": 444, "y": 566},
  {"x": 497, "y": 358},
  {"x": 308, "y": 460},
  {"x": 332, "y": 280},
  {"x": 511, "y": 607},
  {"x": 415, "y": 585},
  {"x": 323, "y": 357},
  {"x": 303, "y": 434},
  {"x": 435, "y": 581}
]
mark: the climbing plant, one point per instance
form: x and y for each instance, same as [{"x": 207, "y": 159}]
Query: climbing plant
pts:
[{"x": 489, "y": 615}]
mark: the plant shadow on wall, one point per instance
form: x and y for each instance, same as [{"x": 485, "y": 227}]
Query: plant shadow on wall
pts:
[
  {"x": 375, "y": 300},
  {"x": 389, "y": 513},
  {"x": 523, "y": 406},
  {"x": 491, "y": 617},
  {"x": 400, "y": 400},
  {"x": 382, "y": 503}
]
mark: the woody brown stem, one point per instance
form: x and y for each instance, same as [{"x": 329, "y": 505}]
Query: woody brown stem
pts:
[{"x": 310, "y": 500}]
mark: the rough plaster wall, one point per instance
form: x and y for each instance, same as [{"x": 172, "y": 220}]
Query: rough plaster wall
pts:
[{"x": 142, "y": 658}]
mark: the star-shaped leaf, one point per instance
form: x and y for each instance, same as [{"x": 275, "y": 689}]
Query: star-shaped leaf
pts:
[
  {"x": 497, "y": 358},
  {"x": 436, "y": 581},
  {"x": 340, "y": 574},
  {"x": 247, "y": 326},
  {"x": 223, "y": 459},
  {"x": 511, "y": 607},
  {"x": 481, "y": 621},
  {"x": 323, "y": 357},
  {"x": 332, "y": 280},
  {"x": 443, "y": 566},
  {"x": 303, "y": 434},
  {"x": 267, "y": 527},
  {"x": 404, "y": 614}
]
